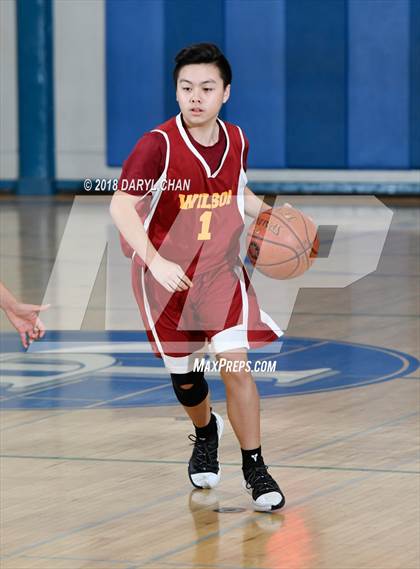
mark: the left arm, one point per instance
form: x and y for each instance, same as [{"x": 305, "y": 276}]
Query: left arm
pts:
[
  {"x": 24, "y": 317},
  {"x": 253, "y": 204}
]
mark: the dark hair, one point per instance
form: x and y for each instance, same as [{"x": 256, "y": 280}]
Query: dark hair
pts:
[{"x": 203, "y": 53}]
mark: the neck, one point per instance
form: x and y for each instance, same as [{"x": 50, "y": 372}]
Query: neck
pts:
[{"x": 206, "y": 134}]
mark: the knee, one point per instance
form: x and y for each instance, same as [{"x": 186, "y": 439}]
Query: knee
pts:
[
  {"x": 234, "y": 378},
  {"x": 190, "y": 388}
]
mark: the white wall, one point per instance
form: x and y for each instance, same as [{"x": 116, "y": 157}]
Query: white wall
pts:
[
  {"x": 8, "y": 91},
  {"x": 79, "y": 89}
]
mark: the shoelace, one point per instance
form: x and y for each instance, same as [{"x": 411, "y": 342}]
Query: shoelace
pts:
[
  {"x": 260, "y": 481},
  {"x": 203, "y": 455}
]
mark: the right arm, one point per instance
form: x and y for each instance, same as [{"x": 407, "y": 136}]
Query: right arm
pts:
[
  {"x": 123, "y": 212},
  {"x": 146, "y": 161}
]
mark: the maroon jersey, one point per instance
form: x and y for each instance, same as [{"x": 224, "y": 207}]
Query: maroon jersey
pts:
[{"x": 193, "y": 214}]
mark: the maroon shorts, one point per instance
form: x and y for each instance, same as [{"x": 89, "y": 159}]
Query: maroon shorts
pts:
[{"x": 221, "y": 307}]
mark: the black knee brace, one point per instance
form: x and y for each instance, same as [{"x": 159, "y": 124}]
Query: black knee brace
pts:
[{"x": 194, "y": 395}]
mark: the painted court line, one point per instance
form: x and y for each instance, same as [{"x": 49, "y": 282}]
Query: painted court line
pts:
[
  {"x": 232, "y": 464},
  {"x": 64, "y": 534},
  {"x": 126, "y": 564},
  {"x": 165, "y": 500},
  {"x": 129, "y": 395},
  {"x": 249, "y": 519},
  {"x": 313, "y": 345},
  {"x": 132, "y": 511},
  {"x": 133, "y": 564},
  {"x": 206, "y": 566},
  {"x": 311, "y": 449},
  {"x": 49, "y": 398},
  {"x": 86, "y": 407}
]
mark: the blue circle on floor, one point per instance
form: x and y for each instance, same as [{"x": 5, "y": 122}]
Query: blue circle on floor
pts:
[{"x": 116, "y": 369}]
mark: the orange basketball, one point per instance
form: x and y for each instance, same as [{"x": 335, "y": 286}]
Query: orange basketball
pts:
[{"x": 282, "y": 243}]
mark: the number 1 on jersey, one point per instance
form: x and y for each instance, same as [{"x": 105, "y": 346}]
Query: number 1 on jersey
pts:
[{"x": 205, "y": 234}]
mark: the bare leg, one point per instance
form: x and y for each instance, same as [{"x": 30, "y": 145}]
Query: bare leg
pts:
[{"x": 243, "y": 401}]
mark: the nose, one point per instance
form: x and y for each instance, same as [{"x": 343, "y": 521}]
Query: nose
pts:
[{"x": 195, "y": 96}]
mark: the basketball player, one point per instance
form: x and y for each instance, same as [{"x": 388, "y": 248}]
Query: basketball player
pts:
[
  {"x": 24, "y": 317},
  {"x": 183, "y": 235}
]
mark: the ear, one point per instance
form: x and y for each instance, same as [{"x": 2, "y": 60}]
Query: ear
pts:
[{"x": 226, "y": 94}]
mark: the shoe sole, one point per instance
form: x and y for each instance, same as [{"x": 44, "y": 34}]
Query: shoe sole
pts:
[{"x": 220, "y": 426}]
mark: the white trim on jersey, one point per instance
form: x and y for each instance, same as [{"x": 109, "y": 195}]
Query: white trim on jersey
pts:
[
  {"x": 157, "y": 189},
  {"x": 270, "y": 322},
  {"x": 183, "y": 364},
  {"x": 243, "y": 146},
  {"x": 242, "y": 180},
  {"x": 196, "y": 152},
  {"x": 236, "y": 336},
  {"x": 264, "y": 316},
  {"x": 149, "y": 314}
]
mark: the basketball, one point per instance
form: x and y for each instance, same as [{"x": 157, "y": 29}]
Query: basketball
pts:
[{"x": 282, "y": 243}]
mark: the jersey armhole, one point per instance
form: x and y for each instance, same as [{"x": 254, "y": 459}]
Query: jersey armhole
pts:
[
  {"x": 157, "y": 188},
  {"x": 168, "y": 149},
  {"x": 243, "y": 147}
]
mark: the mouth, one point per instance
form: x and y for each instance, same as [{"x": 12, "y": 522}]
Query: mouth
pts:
[{"x": 196, "y": 111}]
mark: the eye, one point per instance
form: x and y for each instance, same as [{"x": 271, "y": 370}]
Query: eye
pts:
[
  {"x": 186, "y": 88},
  {"x": 207, "y": 89}
]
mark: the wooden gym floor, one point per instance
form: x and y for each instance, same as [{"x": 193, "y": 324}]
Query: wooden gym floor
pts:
[{"x": 100, "y": 486}]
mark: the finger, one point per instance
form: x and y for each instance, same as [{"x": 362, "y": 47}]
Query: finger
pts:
[
  {"x": 184, "y": 279},
  {"x": 36, "y": 334},
  {"x": 175, "y": 286},
  {"x": 34, "y": 307},
  {"x": 23, "y": 339},
  {"x": 181, "y": 285},
  {"x": 169, "y": 287},
  {"x": 32, "y": 334},
  {"x": 182, "y": 276},
  {"x": 44, "y": 307},
  {"x": 39, "y": 325}
]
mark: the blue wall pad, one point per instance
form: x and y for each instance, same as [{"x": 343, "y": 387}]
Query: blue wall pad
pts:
[
  {"x": 135, "y": 73},
  {"x": 378, "y": 84},
  {"x": 316, "y": 83},
  {"x": 415, "y": 84},
  {"x": 36, "y": 111},
  {"x": 255, "y": 46},
  {"x": 316, "y": 75},
  {"x": 188, "y": 22}
]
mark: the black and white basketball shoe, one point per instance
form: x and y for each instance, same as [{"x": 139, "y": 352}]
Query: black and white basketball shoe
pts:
[
  {"x": 265, "y": 492},
  {"x": 203, "y": 467}
]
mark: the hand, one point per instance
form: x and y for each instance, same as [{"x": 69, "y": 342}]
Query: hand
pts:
[
  {"x": 170, "y": 275},
  {"x": 24, "y": 317}
]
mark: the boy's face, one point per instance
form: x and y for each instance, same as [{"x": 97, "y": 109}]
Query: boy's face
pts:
[{"x": 200, "y": 92}]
